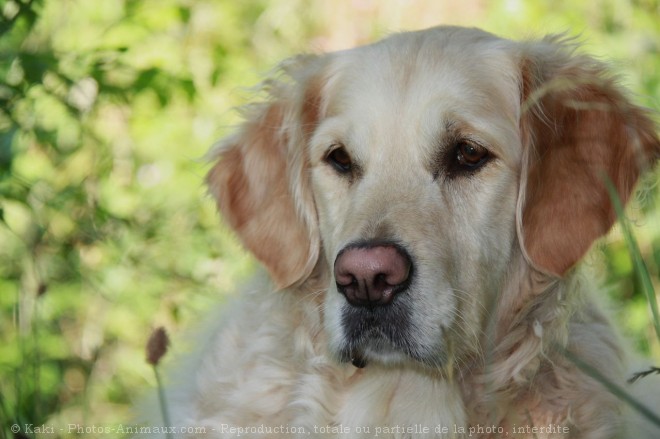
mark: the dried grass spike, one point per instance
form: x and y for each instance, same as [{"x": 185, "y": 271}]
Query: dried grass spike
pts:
[{"x": 157, "y": 345}]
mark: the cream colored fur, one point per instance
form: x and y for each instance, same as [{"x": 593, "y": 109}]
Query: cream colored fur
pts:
[{"x": 495, "y": 303}]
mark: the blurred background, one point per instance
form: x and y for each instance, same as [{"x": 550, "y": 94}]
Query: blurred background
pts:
[{"x": 106, "y": 110}]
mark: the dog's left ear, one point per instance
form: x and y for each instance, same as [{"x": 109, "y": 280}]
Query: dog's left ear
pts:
[
  {"x": 260, "y": 180},
  {"x": 579, "y": 130}
]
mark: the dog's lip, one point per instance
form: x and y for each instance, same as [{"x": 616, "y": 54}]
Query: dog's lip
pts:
[{"x": 374, "y": 347}]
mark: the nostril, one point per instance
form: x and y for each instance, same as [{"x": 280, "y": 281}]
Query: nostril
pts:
[
  {"x": 346, "y": 280},
  {"x": 380, "y": 279},
  {"x": 343, "y": 276},
  {"x": 372, "y": 274},
  {"x": 381, "y": 282}
]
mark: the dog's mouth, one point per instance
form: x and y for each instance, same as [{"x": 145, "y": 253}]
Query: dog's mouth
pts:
[{"x": 384, "y": 335}]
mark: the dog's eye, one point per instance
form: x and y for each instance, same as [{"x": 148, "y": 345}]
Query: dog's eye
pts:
[
  {"x": 471, "y": 156},
  {"x": 340, "y": 160}
]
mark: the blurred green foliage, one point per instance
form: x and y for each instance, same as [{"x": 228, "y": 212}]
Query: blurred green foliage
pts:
[{"x": 106, "y": 110}]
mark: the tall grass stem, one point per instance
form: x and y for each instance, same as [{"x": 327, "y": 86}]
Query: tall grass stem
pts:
[
  {"x": 638, "y": 262},
  {"x": 163, "y": 403}
]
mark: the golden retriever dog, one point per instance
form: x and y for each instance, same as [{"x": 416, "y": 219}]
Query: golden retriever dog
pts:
[{"x": 420, "y": 205}]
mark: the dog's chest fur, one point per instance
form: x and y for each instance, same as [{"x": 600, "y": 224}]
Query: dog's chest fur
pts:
[{"x": 285, "y": 383}]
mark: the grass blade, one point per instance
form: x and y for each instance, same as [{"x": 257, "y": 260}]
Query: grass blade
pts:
[
  {"x": 638, "y": 262},
  {"x": 613, "y": 388}
]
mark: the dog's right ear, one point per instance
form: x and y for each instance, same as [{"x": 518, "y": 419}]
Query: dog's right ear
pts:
[{"x": 260, "y": 179}]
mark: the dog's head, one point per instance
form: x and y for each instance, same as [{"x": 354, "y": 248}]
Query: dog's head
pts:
[{"x": 414, "y": 175}]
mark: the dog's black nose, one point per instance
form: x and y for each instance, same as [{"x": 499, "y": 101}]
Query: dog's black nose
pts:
[{"x": 371, "y": 275}]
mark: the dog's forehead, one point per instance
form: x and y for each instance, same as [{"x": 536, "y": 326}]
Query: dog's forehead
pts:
[{"x": 421, "y": 82}]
